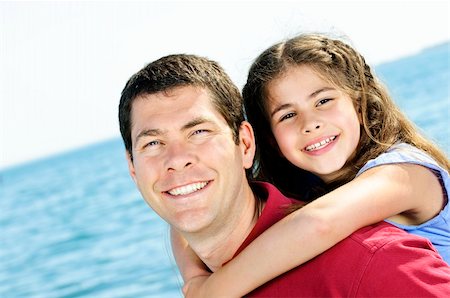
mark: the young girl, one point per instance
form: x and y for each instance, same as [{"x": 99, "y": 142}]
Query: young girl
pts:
[{"x": 313, "y": 101}]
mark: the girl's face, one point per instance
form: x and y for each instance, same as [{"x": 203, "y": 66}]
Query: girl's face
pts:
[{"x": 315, "y": 125}]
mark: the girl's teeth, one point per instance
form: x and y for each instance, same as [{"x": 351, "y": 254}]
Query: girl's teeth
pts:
[
  {"x": 187, "y": 189},
  {"x": 320, "y": 144}
]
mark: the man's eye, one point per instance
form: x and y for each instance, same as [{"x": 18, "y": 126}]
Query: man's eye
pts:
[
  {"x": 200, "y": 131},
  {"x": 152, "y": 143},
  {"x": 287, "y": 116}
]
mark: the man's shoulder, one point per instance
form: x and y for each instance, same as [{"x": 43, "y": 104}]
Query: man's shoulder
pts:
[
  {"x": 380, "y": 234},
  {"x": 381, "y": 245},
  {"x": 370, "y": 239},
  {"x": 386, "y": 247},
  {"x": 384, "y": 236},
  {"x": 363, "y": 264},
  {"x": 394, "y": 257}
]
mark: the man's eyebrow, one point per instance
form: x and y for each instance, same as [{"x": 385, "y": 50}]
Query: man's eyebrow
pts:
[
  {"x": 194, "y": 122},
  {"x": 148, "y": 133},
  {"x": 156, "y": 132},
  {"x": 287, "y": 105}
]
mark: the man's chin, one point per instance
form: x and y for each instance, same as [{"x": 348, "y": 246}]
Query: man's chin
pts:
[{"x": 191, "y": 224}]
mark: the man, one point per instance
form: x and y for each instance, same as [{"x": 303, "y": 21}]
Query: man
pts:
[{"x": 188, "y": 149}]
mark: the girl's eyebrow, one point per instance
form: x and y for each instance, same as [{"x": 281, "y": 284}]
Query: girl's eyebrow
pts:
[
  {"x": 324, "y": 89},
  {"x": 287, "y": 105},
  {"x": 279, "y": 108}
]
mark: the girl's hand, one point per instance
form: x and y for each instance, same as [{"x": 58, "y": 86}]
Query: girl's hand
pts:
[{"x": 196, "y": 287}]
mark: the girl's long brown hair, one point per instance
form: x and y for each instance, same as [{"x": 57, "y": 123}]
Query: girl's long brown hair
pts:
[{"x": 383, "y": 124}]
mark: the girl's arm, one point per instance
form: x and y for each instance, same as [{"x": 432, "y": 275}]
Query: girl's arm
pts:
[
  {"x": 187, "y": 261},
  {"x": 411, "y": 192}
]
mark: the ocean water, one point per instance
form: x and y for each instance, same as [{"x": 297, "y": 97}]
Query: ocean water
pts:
[
  {"x": 420, "y": 85},
  {"x": 74, "y": 225}
]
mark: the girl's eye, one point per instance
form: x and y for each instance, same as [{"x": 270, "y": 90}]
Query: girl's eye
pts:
[
  {"x": 323, "y": 101},
  {"x": 287, "y": 116}
]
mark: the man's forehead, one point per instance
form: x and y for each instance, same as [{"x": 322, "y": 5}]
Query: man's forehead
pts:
[
  {"x": 179, "y": 98},
  {"x": 176, "y": 109},
  {"x": 179, "y": 91},
  {"x": 180, "y": 94}
]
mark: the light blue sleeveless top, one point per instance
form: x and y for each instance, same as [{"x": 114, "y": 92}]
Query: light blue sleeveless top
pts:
[{"x": 436, "y": 229}]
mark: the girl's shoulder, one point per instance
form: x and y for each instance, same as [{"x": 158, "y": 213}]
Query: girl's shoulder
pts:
[
  {"x": 437, "y": 228},
  {"x": 404, "y": 153}
]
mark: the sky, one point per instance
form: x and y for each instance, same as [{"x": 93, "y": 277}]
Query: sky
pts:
[{"x": 63, "y": 64}]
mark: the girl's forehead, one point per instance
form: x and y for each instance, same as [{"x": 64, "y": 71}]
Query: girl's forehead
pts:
[
  {"x": 301, "y": 70},
  {"x": 299, "y": 78}
]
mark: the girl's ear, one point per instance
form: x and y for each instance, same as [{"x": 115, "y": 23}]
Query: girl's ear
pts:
[
  {"x": 358, "y": 110},
  {"x": 247, "y": 144}
]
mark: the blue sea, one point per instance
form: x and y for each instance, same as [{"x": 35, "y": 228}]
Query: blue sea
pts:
[{"x": 74, "y": 225}]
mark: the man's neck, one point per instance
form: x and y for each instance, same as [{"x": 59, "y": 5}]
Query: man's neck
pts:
[{"x": 218, "y": 245}]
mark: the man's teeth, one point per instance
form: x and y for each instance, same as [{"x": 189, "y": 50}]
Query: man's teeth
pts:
[
  {"x": 187, "y": 189},
  {"x": 320, "y": 144}
]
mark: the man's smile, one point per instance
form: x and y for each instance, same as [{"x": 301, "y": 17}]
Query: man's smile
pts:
[{"x": 187, "y": 189}]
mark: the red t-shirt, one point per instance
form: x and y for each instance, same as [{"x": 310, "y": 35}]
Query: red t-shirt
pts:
[{"x": 376, "y": 261}]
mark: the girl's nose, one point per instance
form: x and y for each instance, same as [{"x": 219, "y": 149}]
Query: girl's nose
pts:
[{"x": 310, "y": 128}]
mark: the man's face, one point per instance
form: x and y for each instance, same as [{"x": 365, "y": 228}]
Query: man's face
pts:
[{"x": 185, "y": 161}]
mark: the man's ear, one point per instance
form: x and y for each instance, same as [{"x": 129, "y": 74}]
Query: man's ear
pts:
[
  {"x": 130, "y": 165},
  {"x": 247, "y": 144}
]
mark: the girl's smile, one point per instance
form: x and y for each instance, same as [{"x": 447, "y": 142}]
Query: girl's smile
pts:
[{"x": 325, "y": 143}]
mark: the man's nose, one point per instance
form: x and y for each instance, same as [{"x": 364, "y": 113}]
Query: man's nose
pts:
[{"x": 179, "y": 157}]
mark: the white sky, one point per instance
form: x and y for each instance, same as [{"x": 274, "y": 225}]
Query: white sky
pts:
[{"x": 63, "y": 64}]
